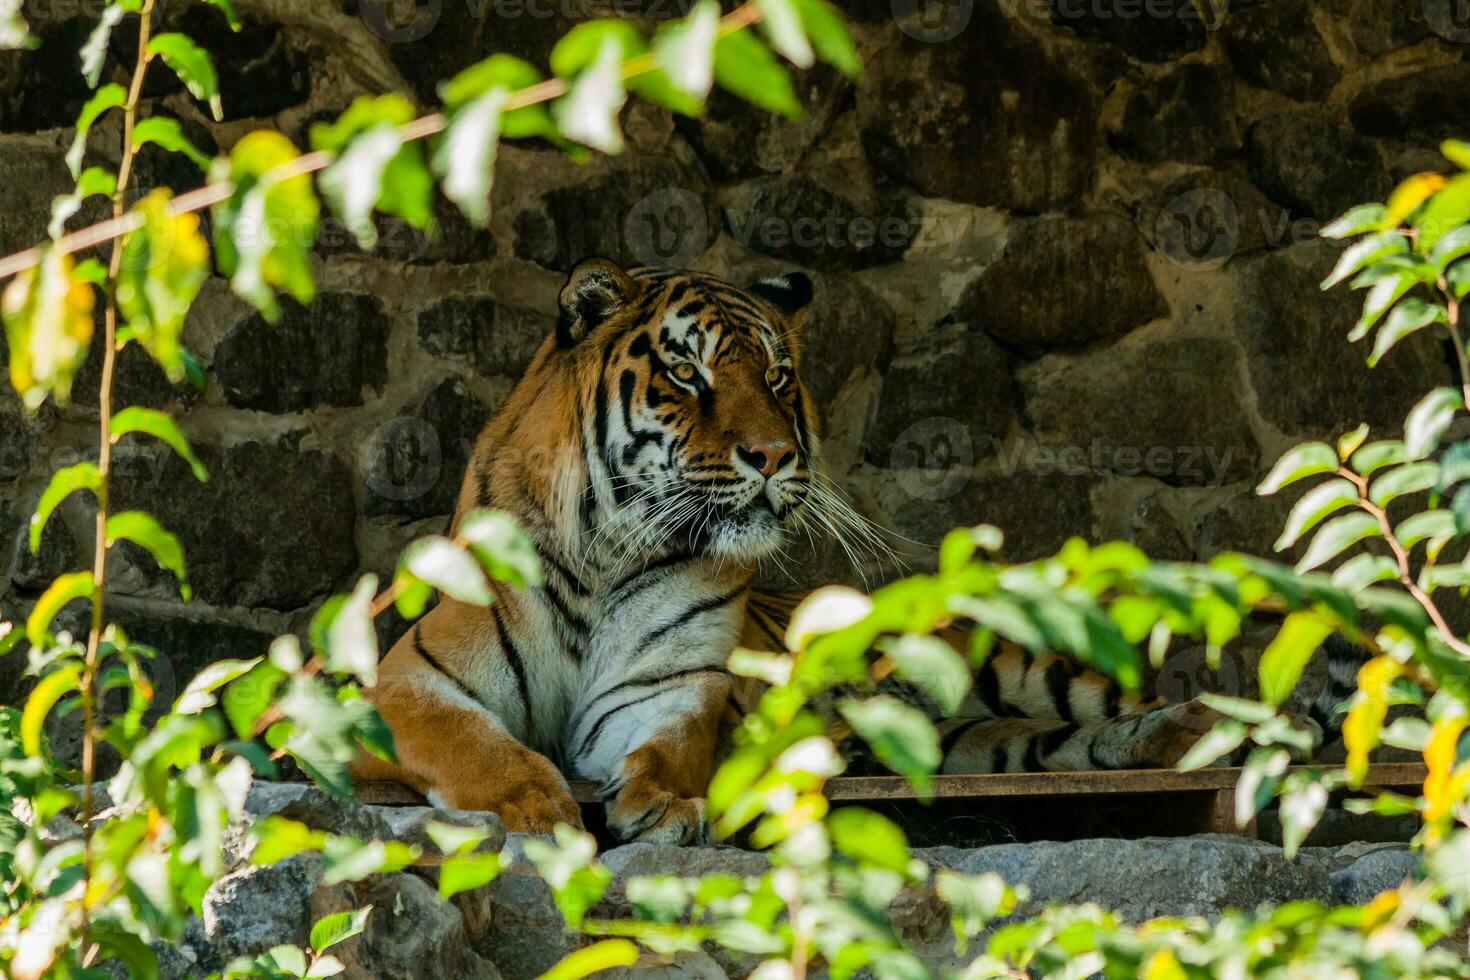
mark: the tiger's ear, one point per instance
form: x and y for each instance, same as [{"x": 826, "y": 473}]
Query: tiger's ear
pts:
[
  {"x": 791, "y": 293},
  {"x": 595, "y": 290}
]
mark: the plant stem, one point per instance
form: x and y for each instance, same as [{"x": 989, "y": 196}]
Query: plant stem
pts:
[
  {"x": 104, "y": 462},
  {"x": 421, "y": 128}
]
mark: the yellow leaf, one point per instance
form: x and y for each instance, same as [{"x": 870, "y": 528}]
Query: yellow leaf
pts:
[
  {"x": 1445, "y": 785},
  {"x": 1407, "y": 197},
  {"x": 606, "y": 955},
  {"x": 48, "y": 325},
  {"x": 1380, "y": 910},
  {"x": 1163, "y": 965},
  {"x": 1364, "y": 722}
]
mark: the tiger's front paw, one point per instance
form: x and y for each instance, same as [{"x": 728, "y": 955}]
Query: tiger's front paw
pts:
[
  {"x": 657, "y": 816},
  {"x": 1172, "y": 731},
  {"x": 524, "y": 789}
]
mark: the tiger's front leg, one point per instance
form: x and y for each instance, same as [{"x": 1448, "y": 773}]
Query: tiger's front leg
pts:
[{"x": 654, "y": 751}]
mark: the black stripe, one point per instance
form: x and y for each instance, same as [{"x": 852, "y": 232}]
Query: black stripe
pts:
[
  {"x": 596, "y": 729},
  {"x": 1054, "y": 740},
  {"x": 1092, "y": 757},
  {"x": 572, "y": 581},
  {"x": 1001, "y": 761},
  {"x": 418, "y": 648},
  {"x": 987, "y": 685},
  {"x": 1110, "y": 699},
  {"x": 734, "y": 705},
  {"x": 767, "y": 624},
  {"x": 1059, "y": 683},
  {"x": 658, "y": 679},
  {"x": 698, "y": 609},
  {"x": 1031, "y": 761},
  {"x": 513, "y": 657},
  {"x": 633, "y": 582},
  {"x": 947, "y": 743},
  {"x": 562, "y": 610}
]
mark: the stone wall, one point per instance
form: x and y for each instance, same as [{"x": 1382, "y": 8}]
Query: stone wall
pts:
[{"x": 1067, "y": 278}]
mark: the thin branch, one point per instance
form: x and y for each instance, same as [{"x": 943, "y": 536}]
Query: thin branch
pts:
[{"x": 421, "y": 128}]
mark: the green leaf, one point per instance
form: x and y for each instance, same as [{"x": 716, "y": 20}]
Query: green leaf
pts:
[
  {"x": 14, "y": 34},
  {"x": 1424, "y": 526},
  {"x": 51, "y": 688},
  {"x": 352, "y": 643},
  {"x": 250, "y": 696},
  {"x": 1259, "y": 778},
  {"x": 1457, "y": 152},
  {"x": 901, "y": 737},
  {"x": 167, "y": 134},
  {"x": 453, "y": 839},
  {"x": 1454, "y": 245},
  {"x": 109, "y": 96},
  {"x": 64, "y": 482},
  {"x": 588, "y": 114},
  {"x": 448, "y": 568},
  {"x": 1361, "y": 571},
  {"x": 1458, "y": 279},
  {"x": 1283, "y": 660},
  {"x": 94, "y": 49},
  {"x": 933, "y": 666},
  {"x": 137, "y": 958},
  {"x": 1381, "y": 298},
  {"x": 782, "y": 24},
  {"x": 1348, "y": 442},
  {"x": 1363, "y": 218},
  {"x": 1335, "y": 537},
  {"x": 63, "y": 589},
  {"x": 746, "y": 68},
  {"x": 1448, "y": 209},
  {"x": 1298, "y": 463},
  {"x": 1221, "y": 740},
  {"x": 869, "y": 839},
  {"x": 144, "y": 530},
  {"x": 369, "y": 172},
  {"x": 502, "y": 548},
  {"x": 1315, "y": 505},
  {"x": 353, "y": 183},
  {"x": 1412, "y": 315},
  {"x": 1241, "y": 709},
  {"x": 93, "y": 182},
  {"x": 463, "y": 872},
  {"x": 47, "y": 313},
  {"x": 157, "y": 424},
  {"x": 583, "y": 46},
  {"x": 828, "y": 34},
  {"x": 1302, "y": 805},
  {"x": 192, "y": 64},
  {"x": 577, "y": 881},
  {"x": 277, "y": 838},
  {"x": 1376, "y": 455},
  {"x": 264, "y": 231},
  {"x": 164, "y": 264},
  {"x": 465, "y": 159},
  {"x": 1406, "y": 479},
  {"x": 685, "y": 50},
  {"x": 1362, "y": 254},
  {"x": 1428, "y": 420},
  {"x": 338, "y": 927},
  {"x": 199, "y": 694},
  {"x": 607, "y": 954}
]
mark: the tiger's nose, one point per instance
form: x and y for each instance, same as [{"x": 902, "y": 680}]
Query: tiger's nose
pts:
[{"x": 767, "y": 457}]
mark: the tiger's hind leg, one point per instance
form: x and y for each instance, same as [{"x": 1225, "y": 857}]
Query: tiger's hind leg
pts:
[{"x": 1155, "y": 739}]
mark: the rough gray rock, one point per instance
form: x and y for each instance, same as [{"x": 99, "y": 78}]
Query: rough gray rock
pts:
[
  {"x": 415, "y": 464},
  {"x": 1308, "y": 379},
  {"x": 1019, "y": 134},
  {"x": 321, "y": 355},
  {"x": 1312, "y": 163},
  {"x": 847, "y": 329},
  {"x": 915, "y": 406},
  {"x": 267, "y": 506},
  {"x": 33, "y": 176},
  {"x": 493, "y": 338},
  {"x": 736, "y": 144},
  {"x": 1276, "y": 45},
  {"x": 1186, "y": 426},
  {"x": 1064, "y": 283},
  {"x": 1424, "y": 107},
  {"x": 1158, "y": 31},
  {"x": 1207, "y": 217},
  {"x": 1187, "y": 115}
]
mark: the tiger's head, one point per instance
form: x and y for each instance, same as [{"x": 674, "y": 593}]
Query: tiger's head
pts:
[{"x": 698, "y": 433}]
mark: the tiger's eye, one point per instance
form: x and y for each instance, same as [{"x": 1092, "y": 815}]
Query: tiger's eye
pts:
[
  {"x": 776, "y": 375},
  {"x": 685, "y": 372}
]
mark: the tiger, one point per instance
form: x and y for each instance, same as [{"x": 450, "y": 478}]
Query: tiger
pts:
[{"x": 660, "y": 445}]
